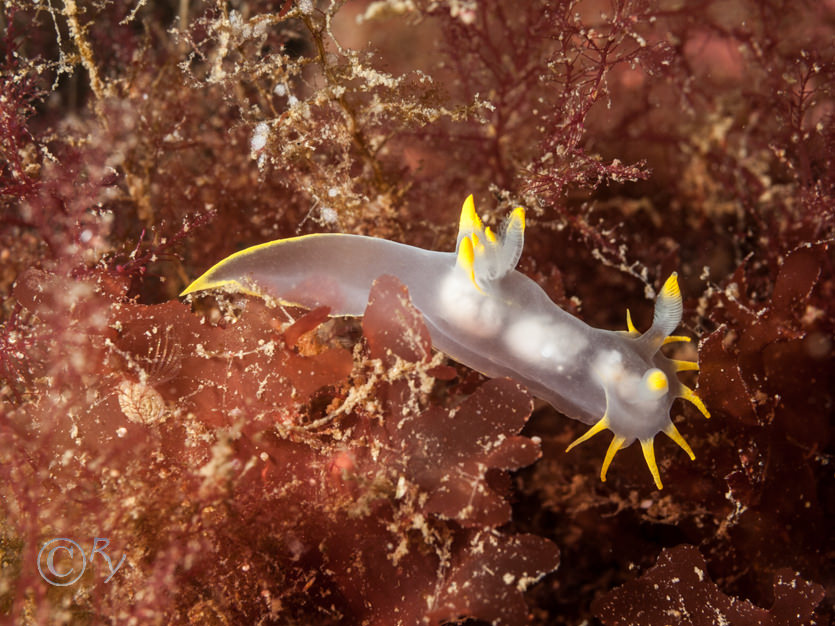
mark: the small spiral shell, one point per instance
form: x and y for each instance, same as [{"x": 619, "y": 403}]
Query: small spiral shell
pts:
[{"x": 140, "y": 402}]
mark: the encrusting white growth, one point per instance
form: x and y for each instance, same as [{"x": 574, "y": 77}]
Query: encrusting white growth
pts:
[{"x": 485, "y": 314}]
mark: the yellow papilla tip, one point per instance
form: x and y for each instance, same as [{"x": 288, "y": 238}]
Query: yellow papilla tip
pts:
[
  {"x": 629, "y": 325},
  {"x": 465, "y": 254},
  {"x": 602, "y": 424},
  {"x": 675, "y": 339},
  {"x": 469, "y": 218},
  {"x": 491, "y": 236},
  {"x": 686, "y": 366},
  {"x": 614, "y": 446},
  {"x": 672, "y": 432},
  {"x": 649, "y": 456},
  {"x": 690, "y": 395}
]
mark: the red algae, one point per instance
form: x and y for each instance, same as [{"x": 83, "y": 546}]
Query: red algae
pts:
[
  {"x": 256, "y": 463},
  {"x": 678, "y": 588}
]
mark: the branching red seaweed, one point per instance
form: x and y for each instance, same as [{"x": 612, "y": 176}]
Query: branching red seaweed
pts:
[{"x": 259, "y": 464}]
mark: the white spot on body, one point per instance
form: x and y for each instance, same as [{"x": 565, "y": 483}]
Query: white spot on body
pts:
[
  {"x": 608, "y": 366},
  {"x": 536, "y": 339},
  {"x": 468, "y": 309}
]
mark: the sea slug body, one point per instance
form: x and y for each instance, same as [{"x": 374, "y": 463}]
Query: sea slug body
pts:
[{"x": 483, "y": 313}]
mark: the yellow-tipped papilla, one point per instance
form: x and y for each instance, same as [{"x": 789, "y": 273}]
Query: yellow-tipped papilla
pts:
[
  {"x": 676, "y": 339},
  {"x": 601, "y": 425},
  {"x": 690, "y": 395},
  {"x": 648, "y": 449},
  {"x": 615, "y": 446},
  {"x": 686, "y": 366},
  {"x": 466, "y": 258},
  {"x": 630, "y": 327},
  {"x": 469, "y": 220},
  {"x": 672, "y": 432}
]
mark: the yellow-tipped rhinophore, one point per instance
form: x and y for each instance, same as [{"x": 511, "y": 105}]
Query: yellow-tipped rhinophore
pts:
[
  {"x": 517, "y": 218},
  {"x": 649, "y": 456},
  {"x": 671, "y": 288},
  {"x": 690, "y": 395}
]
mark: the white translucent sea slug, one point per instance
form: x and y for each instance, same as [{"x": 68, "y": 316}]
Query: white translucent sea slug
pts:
[{"x": 483, "y": 313}]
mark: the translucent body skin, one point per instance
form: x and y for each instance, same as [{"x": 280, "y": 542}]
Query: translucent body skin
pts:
[{"x": 485, "y": 314}]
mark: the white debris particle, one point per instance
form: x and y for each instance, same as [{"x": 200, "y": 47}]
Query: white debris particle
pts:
[
  {"x": 699, "y": 573},
  {"x": 382, "y": 9},
  {"x": 121, "y": 432},
  {"x": 306, "y": 6},
  {"x": 508, "y": 578},
  {"x": 280, "y": 90},
  {"x": 328, "y": 215},
  {"x": 259, "y": 137}
]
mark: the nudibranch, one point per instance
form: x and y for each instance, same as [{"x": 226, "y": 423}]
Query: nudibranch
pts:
[{"x": 485, "y": 314}]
